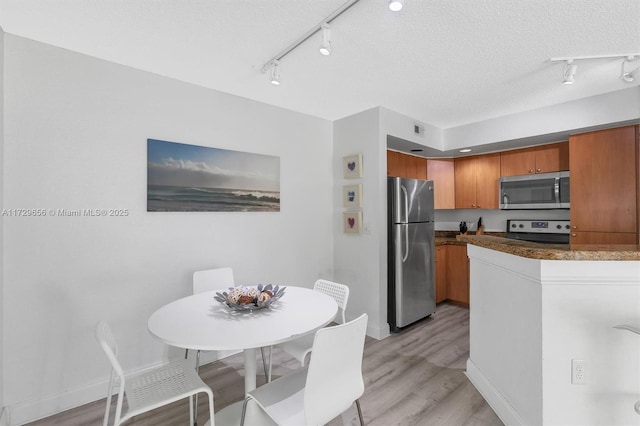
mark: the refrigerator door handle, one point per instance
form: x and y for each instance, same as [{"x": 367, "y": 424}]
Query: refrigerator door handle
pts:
[
  {"x": 405, "y": 219},
  {"x": 406, "y": 244}
]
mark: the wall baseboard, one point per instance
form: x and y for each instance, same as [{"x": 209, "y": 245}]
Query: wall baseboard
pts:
[
  {"x": 4, "y": 417},
  {"x": 496, "y": 401},
  {"x": 49, "y": 405},
  {"x": 377, "y": 333}
]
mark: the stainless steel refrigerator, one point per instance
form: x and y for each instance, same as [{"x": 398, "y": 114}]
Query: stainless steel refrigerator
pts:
[{"x": 411, "y": 252}]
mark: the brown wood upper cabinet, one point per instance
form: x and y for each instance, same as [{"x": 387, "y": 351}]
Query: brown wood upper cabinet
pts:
[
  {"x": 441, "y": 172},
  {"x": 604, "y": 186},
  {"x": 476, "y": 181},
  {"x": 406, "y": 166},
  {"x": 394, "y": 167},
  {"x": 421, "y": 168},
  {"x": 539, "y": 159}
]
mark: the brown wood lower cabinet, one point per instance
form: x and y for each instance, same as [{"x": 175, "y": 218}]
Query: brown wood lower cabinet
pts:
[
  {"x": 441, "y": 274},
  {"x": 452, "y": 274},
  {"x": 591, "y": 238}
]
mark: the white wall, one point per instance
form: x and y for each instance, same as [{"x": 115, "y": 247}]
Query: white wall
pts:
[
  {"x": 401, "y": 126},
  {"x": 359, "y": 260},
  {"x": 75, "y": 137},
  {"x": 613, "y": 107},
  {"x": 2, "y": 157}
]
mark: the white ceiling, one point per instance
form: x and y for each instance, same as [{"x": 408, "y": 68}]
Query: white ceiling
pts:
[{"x": 443, "y": 62}]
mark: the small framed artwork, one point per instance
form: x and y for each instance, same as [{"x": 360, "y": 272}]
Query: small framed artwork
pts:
[
  {"x": 352, "y": 166},
  {"x": 352, "y": 196},
  {"x": 352, "y": 222}
]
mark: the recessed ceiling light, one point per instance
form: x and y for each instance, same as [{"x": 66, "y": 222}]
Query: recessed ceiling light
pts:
[
  {"x": 395, "y": 5},
  {"x": 465, "y": 150}
]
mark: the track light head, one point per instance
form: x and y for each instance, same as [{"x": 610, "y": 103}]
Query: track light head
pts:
[
  {"x": 569, "y": 72},
  {"x": 274, "y": 77},
  {"x": 628, "y": 76},
  {"x": 395, "y": 5},
  {"x": 325, "y": 48}
]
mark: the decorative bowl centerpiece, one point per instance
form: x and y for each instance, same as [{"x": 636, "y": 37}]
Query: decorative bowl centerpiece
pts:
[{"x": 243, "y": 298}]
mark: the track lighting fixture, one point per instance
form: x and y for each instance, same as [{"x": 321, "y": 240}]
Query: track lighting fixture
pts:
[
  {"x": 275, "y": 73},
  {"x": 569, "y": 69},
  {"x": 569, "y": 72},
  {"x": 272, "y": 64},
  {"x": 395, "y": 5},
  {"x": 325, "y": 49},
  {"x": 628, "y": 76}
]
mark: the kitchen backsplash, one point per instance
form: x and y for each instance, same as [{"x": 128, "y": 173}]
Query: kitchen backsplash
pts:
[
  {"x": 453, "y": 226},
  {"x": 493, "y": 220}
]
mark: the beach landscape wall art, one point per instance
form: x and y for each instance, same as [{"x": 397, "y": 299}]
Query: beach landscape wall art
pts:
[{"x": 191, "y": 178}]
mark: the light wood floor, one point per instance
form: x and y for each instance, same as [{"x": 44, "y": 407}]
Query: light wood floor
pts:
[{"x": 415, "y": 377}]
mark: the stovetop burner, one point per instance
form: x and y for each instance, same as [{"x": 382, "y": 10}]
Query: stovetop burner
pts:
[{"x": 539, "y": 231}]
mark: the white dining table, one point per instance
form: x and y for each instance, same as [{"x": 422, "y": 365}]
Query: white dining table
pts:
[{"x": 199, "y": 322}]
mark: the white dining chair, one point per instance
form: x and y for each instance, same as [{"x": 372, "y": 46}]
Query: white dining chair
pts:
[
  {"x": 212, "y": 279},
  {"x": 209, "y": 280},
  {"x": 152, "y": 389},
  {"x": 301, "y": 347},
  {"x": 328, "y": 386}
]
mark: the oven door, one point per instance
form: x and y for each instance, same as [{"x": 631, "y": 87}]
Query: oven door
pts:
[{"x": 539, "y": 238}]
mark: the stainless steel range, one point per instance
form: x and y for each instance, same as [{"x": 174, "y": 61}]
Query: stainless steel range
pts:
[{"x": 539, "y": 231}]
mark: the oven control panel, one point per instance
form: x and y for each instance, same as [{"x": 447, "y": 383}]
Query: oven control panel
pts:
[{"x": 538, "y": 226}]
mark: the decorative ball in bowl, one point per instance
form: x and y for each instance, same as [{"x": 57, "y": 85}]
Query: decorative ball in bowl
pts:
[{"x": 242, "y": 297}]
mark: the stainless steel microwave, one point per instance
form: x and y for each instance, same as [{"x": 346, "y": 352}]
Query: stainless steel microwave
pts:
[{"x": 538, "y": 191}]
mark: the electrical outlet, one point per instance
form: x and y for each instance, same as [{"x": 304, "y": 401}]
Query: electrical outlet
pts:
[{"x": 578, "y": 372}]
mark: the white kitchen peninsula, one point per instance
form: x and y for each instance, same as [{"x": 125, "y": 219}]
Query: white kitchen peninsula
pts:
[{"x": 534, "y": 309}]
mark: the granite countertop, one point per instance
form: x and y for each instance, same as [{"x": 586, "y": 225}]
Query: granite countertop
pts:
[
  {"x": 552, "y": 251},
  {"x": 449, "y": 241},
  {"x": 446, "y": 238}
]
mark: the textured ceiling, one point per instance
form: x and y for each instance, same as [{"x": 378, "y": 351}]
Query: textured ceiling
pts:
[{"x": 443, "y": 62}]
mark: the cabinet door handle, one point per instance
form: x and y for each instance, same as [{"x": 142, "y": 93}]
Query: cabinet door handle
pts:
[
  {"x": 574, "y": 227},
  {"x": 530, "y": 170},
  {"x": 538, "y": 170},
  {"x": 573, "y": 235}
]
